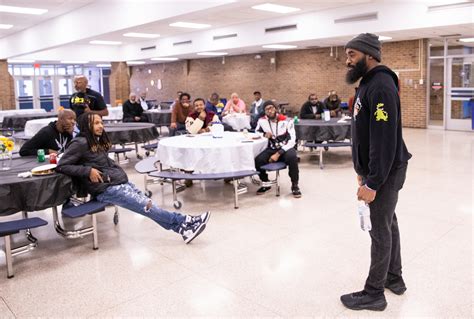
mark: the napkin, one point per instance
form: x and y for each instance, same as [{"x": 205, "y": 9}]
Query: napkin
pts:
[{"x": 25, "y": 174}]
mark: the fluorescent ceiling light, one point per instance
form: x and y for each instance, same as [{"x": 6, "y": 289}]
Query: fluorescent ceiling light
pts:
[
  {"x": 467, "y": 40},
  {"x": 24, "y": 10},
  {"x": 164, "y": 59},
  {"x": 6, "y": 26},
  {"x": 384, "y": 38},
  {"x": 275, "y": 8},
  {"x": 74, "y": 62},
  {"x": 141, "y": 35},
  {"x": 105, "y": 42},
  {"x": 104, "y": 65},
  {"x": 190, "y": 25},
  {"x": 20, "y": 61},
  {"x": 213, "y": 53},
  {"x": 135, "y": 62},
  {"x": 279, "y": 46}
]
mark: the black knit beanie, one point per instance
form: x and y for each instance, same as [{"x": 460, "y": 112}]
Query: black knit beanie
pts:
[
  {"x": 267, "y": 103},
  {"x": 367, "y": 43}
]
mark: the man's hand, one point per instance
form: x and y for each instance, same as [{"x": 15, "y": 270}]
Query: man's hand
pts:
[
  {"x": 317, "y": 116},
  {"x": 137, "y": 118},
  {"x": 202, "y": 115},
  {"x": 333, "y": 113},
  {"x": 268, "y": 135},
  {"x": 173, "y": 125},
  {"x": 95, "y": 176},
  {"x": 274, "y": 157},
  {"x": 359, "y": 180},
  {"x": 366, "y": 194}
]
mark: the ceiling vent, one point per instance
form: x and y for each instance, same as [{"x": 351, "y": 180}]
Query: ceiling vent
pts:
[
  {"x": 358, "y": 18},
  {"x": 225, "y": 36},
  {"x": 449, "y": 6},
  {"x": 281, "y": 28},
  {"x": 148, "y": 48},
  {"x": 183, "y": 43}
]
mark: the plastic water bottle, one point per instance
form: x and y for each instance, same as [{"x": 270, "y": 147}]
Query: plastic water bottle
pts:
[
  {"x": 364, "y": 215},
  {"x": 296, "y": 120}
]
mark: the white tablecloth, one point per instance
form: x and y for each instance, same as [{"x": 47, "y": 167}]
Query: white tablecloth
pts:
[
  {"x": 33, "y": 126},
  {"x": 15, "y": 112},
  {"x": 238, "y": 121},
  {"x": 115, "y": 114},
  {"x": 204, "y": 154}
]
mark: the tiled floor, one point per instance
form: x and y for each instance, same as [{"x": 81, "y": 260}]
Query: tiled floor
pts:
[{"x": 272, "y": 257}]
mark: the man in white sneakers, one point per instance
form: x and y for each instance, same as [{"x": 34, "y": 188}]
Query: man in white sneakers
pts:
[{"x": 281, "y": 146}]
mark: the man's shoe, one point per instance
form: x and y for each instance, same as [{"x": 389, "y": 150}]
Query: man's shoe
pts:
[
  {"x": 263, "y": 190},
  {"x": 363, "y": 301},
  {"x": 188, "y": 182},
  {"x": 203, "y": 218},
  {"x": 296, "y": 191},
  {"x": 396, "y": 285},
  {"x": 190, "y": 230}
]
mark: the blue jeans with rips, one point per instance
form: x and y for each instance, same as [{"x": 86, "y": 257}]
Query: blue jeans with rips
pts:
[{"x": 130, "y": 197}]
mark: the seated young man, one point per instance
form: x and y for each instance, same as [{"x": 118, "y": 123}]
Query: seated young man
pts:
[
  {"x": 132, "y": 110},
  {"x": 201, "y": 119},
  {"x": 52, "y": 138},
  {"x": 87, "y": 159},
  {"x": 281, "y": 141},
  {"x": 179, "y": 114}
]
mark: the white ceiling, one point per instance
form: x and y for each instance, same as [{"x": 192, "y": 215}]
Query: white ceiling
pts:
[{"x": 64, "y": 32}]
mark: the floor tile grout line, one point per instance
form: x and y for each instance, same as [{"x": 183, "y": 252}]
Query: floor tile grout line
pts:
[{"x": 8, "y": 306}]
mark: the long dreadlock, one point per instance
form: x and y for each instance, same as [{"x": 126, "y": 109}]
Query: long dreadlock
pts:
[{"x": 86, "y": 126}]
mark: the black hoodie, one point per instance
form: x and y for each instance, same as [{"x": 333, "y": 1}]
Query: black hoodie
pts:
[
  {"x": 48, "y": 138},
  {"x": 377, "y": 143}
]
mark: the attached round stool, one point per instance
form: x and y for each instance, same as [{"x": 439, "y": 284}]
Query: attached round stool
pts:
[{"x": 273, "y": 167}]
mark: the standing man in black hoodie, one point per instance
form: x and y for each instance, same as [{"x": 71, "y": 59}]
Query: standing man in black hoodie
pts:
[
  {"x": 380, "y": 160},
  {"x": 52, "y": 138}
]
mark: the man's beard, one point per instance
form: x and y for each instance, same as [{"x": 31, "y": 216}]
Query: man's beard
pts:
[{"x": 356, "y": 72}]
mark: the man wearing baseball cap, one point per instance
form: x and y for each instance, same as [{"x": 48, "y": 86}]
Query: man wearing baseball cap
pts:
[{"x": 380, "y": 160}]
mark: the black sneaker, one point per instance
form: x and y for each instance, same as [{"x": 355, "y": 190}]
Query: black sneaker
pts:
[
  {"x": 188, "y": 182},
  {"x": 363, "y": 301},
  {"x": 296, "y": 191},
  {"x": 396, "y": 285},
  {"x": 262, "y": 190},
  {"x": 203, "y": 218},
  {"x": 190, "y": 230}
]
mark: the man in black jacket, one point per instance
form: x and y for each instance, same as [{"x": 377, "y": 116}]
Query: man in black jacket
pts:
[
  {"x": 87, "y": 160},
  {"x": 380, "y": 160},
  {"x": 312, "y": 109},
  {"x": 52, "y": 138},
  {"x": 86, "y": 100},
  {"x": 132, "y": 110}
]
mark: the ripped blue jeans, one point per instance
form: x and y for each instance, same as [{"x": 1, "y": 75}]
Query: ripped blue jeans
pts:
[{"x": 130, "y": 197}]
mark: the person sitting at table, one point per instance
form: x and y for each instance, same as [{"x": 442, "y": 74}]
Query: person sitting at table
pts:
[
  {"x": 312, "y": 109},
  {"x": 281, "y": 141},
  {"x": 200, "y": 121},
  {"x": 234, "y": 105},
  {"x": 86, "y": 159},
  {"x": 215, "y": 105},
  {"x": 256, "y": 110},
  {"x": 179, "y": 114},
  {"x": 52, "y": 138},
  {"x": 132, "y": 110},
  {"x": 85, "y": 99},
  {"x": 333, "y": 103},
  {"x": 178, "y": 94}
]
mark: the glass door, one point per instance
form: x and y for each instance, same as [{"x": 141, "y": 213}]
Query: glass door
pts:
[
  {"x": 45, "y": 89},
  {"x": 460, "y": 94},
  {"x": 25, "y": 92},
  {"x": 65, "y": 90}
]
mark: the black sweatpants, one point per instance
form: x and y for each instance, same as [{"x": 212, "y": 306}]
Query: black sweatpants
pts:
[
  {"x": 289, "y": 157},
  {"x": 385, "y": 258}
]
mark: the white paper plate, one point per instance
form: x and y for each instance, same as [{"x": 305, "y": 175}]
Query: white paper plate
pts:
[{"x": 44, "y": 169}]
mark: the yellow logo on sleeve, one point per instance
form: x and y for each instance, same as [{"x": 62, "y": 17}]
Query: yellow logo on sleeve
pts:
[{"x": 380, "y": 113}]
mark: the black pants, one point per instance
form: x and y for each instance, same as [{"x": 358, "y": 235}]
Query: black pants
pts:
[
  {"x": 289, "y": 158},
  {"x": 385, "y": 259}
]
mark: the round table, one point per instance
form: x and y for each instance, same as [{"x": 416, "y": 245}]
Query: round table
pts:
[
  {"x": 320, "y": 130},
  {"x": 18, "y": 121},
  {"x": 238, "y": 121},
  {"x": 115, "y": 114},
  {"x": 159, "y": 117},
  {"x": 33, "y": 193},
  {"x": 204, "y": 154},
  {"x": 4, "y": 113},
  {"x": 121, "y": 133}
]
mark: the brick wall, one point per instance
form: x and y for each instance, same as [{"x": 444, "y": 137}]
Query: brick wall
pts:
[
  {"x": 119, "y": 83},
  {"x": 7, "y": 89},
  {"x": 292, "y": 76}
]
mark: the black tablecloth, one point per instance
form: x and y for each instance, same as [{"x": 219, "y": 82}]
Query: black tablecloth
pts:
[
  {"x": 18, "y": 122},
  {"x": 33, "y": 193},
  {"x": 320, "y": 130},
  {"x": 160, "y": 118},
  {"x": 121, "y": 133}
]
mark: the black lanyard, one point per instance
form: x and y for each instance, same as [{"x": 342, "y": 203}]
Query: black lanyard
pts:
[{"x": 270, "y": 124}]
